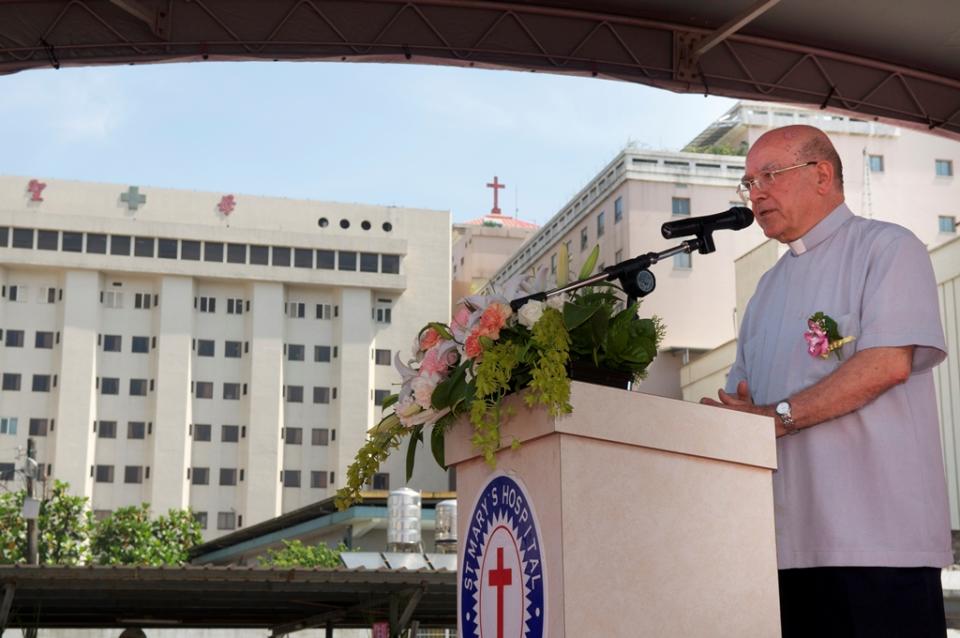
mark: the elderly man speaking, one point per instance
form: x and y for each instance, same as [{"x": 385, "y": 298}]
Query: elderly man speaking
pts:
[{"x": 837, "y": 345}]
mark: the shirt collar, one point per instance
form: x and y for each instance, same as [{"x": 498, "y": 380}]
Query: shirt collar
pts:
[{"x": 822, "y": 231}]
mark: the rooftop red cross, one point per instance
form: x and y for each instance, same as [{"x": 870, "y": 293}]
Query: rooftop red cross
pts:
[
  {"x": 496, "y": 186},
  {"x": 500, "y": 578}
]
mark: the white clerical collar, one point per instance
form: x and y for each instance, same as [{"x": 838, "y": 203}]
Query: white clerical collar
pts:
[{"x": 822, "y": 231}]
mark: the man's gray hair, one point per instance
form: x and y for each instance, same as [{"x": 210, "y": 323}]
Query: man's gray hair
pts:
[{"x": 820, "y": 148}]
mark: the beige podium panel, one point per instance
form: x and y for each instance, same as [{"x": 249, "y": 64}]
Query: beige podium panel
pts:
[{"x": 655, "y": 518}]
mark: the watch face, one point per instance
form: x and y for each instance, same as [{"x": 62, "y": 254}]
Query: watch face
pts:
[{"x": 783, "y": 408}]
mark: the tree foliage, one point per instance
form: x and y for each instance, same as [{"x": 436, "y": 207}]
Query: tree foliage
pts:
[
  {"x": 296, "y": 554},
  {"x": 69, "y": 535}
]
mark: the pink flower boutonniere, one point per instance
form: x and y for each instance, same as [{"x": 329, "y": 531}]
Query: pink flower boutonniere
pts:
[{"x": 824, "y": 336}]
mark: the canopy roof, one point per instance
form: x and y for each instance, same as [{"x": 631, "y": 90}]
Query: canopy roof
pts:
[{"x": 879, "y": 58}]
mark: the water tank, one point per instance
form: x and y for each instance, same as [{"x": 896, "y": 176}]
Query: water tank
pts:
[
  {"x": 445, "y": 533},
  {"x": 403, "y": 520}
]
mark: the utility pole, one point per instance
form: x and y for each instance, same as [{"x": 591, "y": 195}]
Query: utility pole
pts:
[{"x": 31, "y": 473}]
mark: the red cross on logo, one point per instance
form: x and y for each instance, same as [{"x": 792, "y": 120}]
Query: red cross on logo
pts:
[
  {"x": 500, "y": 578},
  {"x": 227, "y": 204},
  {"x": 35, "y": 187}
]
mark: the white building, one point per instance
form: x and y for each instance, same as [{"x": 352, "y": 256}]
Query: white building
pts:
[{"x": 195, "y": 349}]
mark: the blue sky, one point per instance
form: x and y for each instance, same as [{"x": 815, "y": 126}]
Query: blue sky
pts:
[{"x": 405, "y": 135}]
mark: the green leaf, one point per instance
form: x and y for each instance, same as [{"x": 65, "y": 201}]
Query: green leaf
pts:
[
  {"x": 415, "y": 437},
  {"x": 389, "y": 401},
  {"x": 575, "y": 315},
  {"x": 590, "y": 263},
  {"x": 437, "y": 437},
  {"x": 448, "y": 390}
]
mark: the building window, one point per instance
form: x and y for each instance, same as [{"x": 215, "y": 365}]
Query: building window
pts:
[
  {"x": 291, "y": 478},
  {"x": 281, "y": 256},
  {"x": 319, "y": 436},
  {"x": 112, "y": 299},
  {"x": 321, "y": 354},
  {"x": 141, "y": 301},
  {"x": 379, "y": 396},
  {"x": 231, "y": 391},
  {"x": 381, "y": 481},
  {"x": 205, "y": 347},
  {"x": 944, "y": 168},
  {"x": 8, "y": 425},
  {"x": 109, "y": 385},
  {"x": 321, "y": 395},
  {"x": 584, "y": 239},
  {"x": 18, "y": 294},
  {"x": 228, "y": 476},
  {"x": 140, "y": 344},
  {"x": 208, "y": 304},
  {"x": 23, "y": 238},
  {"x": 204, "y": 389},
  {"x": 382, "y": 314},
  {"x": 232, "y": 349},
  {"x": 390, "y": 264},
  {"x": 8, "y": 471},
  {"x": 553, "y": 264},
  {"x": 948, "y": 224},
  {"x": 229, "y": 433},
  {"x": 293, "y": 436},
  {"x": 41, "y": 383},
  {"x": 104, "y": 474},
  {"x": 324, "y": 311},
  {"x": 318, "y": 479},
  {"x": 294, "y": 394},
  {"x": 381, "y": 357},
  {"x": 72, "y": 242},
  {"x": 295, "y": 352},
  {"x": 201, "y": 518},
  {"x": 167, "y": 248},
  {"x": 295, "y": 309},
  {"x": 143, "y": 246},
  {"x": 234, "y": 306},
  {"x": 136, "y": 429},
  {"x": 133, "y": 474},
  {"x": 683, "y": 261},
  {"x": 237, "y": 254},
  {"x": 259, "y": 255},
  {"x": 326, "y": 259},
  {"x": 200, "y": 476},
  {"x": 48, "y": 240},
  {"x": 11, "y": 381},
  {"x": 202, "y": 431},
  {"x": 369, "y": 262},
  {"x": 138, "y": 387},
  {"x": 213, "y": 251},
  {"x": 226, "y": 520},
  {"x": 190, "y": 249},
  {"x": 680, "y": 206},
  {"x": 106, "y": 429},
  {"x": 112, "y": 343},
  {"x": 38, "y": 427},
  {"x": 346, "y": 260},
  {"x": 600, "y": 224},
  {"x": 876, "y": 163},
  {"x": 617, "y": 210},
  {"x": 14, "y": 339},
  {"x": 303, "y": 258},
  {"x": 120, "y": 245}
]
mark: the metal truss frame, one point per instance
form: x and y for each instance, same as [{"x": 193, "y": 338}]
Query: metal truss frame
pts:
[{"x": 476, "y": 33}]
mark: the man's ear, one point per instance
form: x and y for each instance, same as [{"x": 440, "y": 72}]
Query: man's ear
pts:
[{"x": 825, "y": 177}]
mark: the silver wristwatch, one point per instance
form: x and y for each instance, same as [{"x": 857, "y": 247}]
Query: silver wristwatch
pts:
[{"x": 786, "y": 417}]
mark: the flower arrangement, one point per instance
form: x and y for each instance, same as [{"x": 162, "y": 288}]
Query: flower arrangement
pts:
[
  {"x": 488, "y": 351},
  {"x": 823, "y": 336}
]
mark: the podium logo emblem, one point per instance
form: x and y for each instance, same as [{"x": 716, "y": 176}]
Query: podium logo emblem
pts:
[{"x": 501, "y": 567}]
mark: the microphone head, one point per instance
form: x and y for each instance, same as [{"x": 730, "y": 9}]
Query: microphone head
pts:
[{"x": 743, "y": 215}]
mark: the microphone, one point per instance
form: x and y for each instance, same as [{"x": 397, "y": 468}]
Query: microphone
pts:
[{"x": 737, "y": 218}]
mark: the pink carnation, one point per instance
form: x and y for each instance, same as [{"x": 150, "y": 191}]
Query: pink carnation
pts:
[
  {"x": 434, "y": 362},
  {"x": 493, "y": 319},
  {"x": 472, "y": 347},
  {"x": 429, "y": 338},
  {"x": 818, "y": 343}
]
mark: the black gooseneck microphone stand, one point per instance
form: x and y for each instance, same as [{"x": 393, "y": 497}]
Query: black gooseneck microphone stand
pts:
[{"x": 633, "y": 274}]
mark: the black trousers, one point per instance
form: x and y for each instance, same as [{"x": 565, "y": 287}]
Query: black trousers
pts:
[{"x": 868, "y": 602}]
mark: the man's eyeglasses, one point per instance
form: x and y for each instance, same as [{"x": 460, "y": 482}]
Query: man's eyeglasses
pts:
[{"x": 765, "y": 180}]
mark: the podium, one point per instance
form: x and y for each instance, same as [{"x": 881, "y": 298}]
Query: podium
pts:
[{"x": 635, "y": 515}]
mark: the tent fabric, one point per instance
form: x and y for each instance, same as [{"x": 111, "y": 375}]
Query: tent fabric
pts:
[{"x": 876, "y": 58}]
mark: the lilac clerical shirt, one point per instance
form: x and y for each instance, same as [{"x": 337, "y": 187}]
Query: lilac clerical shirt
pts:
[{"x": 867, "y": 488}]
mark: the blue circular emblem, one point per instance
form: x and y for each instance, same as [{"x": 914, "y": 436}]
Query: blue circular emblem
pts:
[{"x": 501, "y": 567}]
